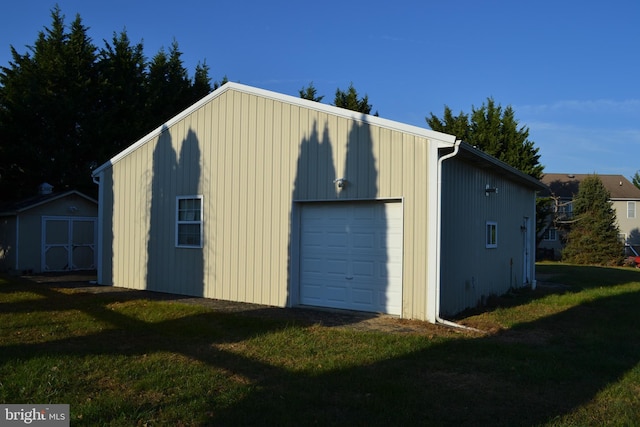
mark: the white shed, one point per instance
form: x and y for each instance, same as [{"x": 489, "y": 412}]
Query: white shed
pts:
[{"x": 255, "y": 196}]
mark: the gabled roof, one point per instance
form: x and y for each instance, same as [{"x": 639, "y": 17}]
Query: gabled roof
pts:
[
  {"x": 483, "y": 160},
  {"x": 312, "y": 105},
  {"x": 566, "y": 185},
  {"x": 444, "y": 140},
  {"x": 15, "y": 208}
]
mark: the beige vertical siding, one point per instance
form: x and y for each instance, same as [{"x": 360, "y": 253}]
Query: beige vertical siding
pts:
[
  {"x": 629, "y": 226},
  {"x": 470, "y": 271},
  {"x": 253, "y": 158}
]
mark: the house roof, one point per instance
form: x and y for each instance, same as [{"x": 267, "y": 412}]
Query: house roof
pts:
[
  {"x": 14, "y": 208},
  {"x": 566, "y": 185}
]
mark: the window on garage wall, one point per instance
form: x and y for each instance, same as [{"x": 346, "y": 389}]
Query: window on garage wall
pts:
[
  {"x": 189, "y": 221},
  {"x": 492, "y": 234}
]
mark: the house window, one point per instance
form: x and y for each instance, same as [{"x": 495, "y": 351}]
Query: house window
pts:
[
  {"x": 631, "y": 209},
  {"x": 189, "y": 221},
  {"x": 550, "y": 234},
  {"x": 565, "y": 210},
  {"x": 492, "y": 235}
]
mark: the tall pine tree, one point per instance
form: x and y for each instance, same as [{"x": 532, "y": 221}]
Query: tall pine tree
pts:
[
  {"x": 350, "y": 100},
  {"x": 123, "y": 95},
  {"x": 66, "y": 107},
  {"x": 47, "y": 98},
  {"x": 593, "y": 238},
  {"x": 494, "y": 131}
]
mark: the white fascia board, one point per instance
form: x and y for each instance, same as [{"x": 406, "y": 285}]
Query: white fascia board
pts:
[{"x": 442, "y": 139}]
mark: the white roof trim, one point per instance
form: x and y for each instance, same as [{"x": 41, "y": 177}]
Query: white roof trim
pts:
[
  {"x": 443, "y": 139},
  {"x": 48, "y": 200}
]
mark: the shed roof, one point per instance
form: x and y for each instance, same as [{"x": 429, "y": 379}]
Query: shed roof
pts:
[
  {"x": 14, "y": 208},
  {"x": 566, "y": 185}
]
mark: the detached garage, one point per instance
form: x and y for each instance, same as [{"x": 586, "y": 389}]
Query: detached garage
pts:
[
  {"x": 255, "y": 196},
  {"x": 50, "y": 232}
]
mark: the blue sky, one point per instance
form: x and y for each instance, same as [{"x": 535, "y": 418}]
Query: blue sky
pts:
[{"x": 570, "y": 69}]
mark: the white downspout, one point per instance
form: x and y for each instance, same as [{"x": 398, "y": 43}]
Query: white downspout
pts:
[
  {"x": 438, "y": 278},
  {"x": 17, "y": 241},
  {"x": 97, "y": 180}
]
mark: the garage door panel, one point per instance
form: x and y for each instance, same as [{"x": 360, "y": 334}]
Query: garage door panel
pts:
[
  {"x": 351, "y": 256},
  {"x": 336, "y": 239},
  {"x": 337, "y": 266},
  {"x": 336, "y": 293},
  {"x": 364, "y": 240},
  {"x": 364, "y": 269},
  {"x": 312, "y": 265},
  {"x": 363, "y": 296}
]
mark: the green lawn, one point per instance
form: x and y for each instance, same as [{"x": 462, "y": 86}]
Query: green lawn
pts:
[{"x": 558, "y": 356}]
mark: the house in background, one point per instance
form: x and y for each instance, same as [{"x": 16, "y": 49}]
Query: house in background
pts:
[
  {"x": 625, "y": 198},
  {"x": 255, "y": 196},
  {"x": 49, "y": 232}
]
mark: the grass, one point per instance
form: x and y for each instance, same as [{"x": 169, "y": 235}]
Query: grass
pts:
[{"x": 559, "y": 356}]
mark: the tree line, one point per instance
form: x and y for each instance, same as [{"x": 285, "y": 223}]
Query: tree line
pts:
[{"x": 67, "y": 106}]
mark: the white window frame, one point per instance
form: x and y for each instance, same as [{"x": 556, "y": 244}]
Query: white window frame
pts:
[
  {"x": 631, "y": 209},
  {"x": 491, "y": 235},
  {"x": 189, "y": 221},
  {"x": 550, "y": 234}
]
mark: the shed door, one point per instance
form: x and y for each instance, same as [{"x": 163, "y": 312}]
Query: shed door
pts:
[
  {"x": 68, "y": 243},
  {"x": 351, "y": 256}
]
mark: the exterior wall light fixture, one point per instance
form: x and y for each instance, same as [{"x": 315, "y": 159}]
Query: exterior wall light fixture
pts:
[
  {"x": 488, "y": 189},
  {"x": 340, "y": 182}
]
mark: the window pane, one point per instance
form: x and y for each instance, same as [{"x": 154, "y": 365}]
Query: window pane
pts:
[
  {"x": 189, "y": 234},
  {"x": 189, "y": 222},
  {"x": 189, "y": 210},
  {"x": 491, "y": 235}
]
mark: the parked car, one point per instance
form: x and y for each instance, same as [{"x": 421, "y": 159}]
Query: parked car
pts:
[{"x": 632, "y": 252}]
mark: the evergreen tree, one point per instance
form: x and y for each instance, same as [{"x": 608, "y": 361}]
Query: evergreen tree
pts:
[
  {"x": 350, "y": 100},
  {"x": 310, "y": 93},
  {"x": 168, "y": 85},
  {"x": 454, "y": 125},
  {"x": 494, "y": 131},
  {"x": 201, "y": 86},
  {"x": 636, "y": 179},
  {"x": 123, "y": 95},
  {"x": 66, "y": 107},
  {"x": 593, "y": 238},
  {"x": 48, "y": 99}
]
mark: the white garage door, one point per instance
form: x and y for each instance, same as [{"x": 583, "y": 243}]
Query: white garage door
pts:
[{"x": 351, "y": 256}]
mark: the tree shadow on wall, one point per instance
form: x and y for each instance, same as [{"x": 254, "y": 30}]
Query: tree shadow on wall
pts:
[
  {"x": 343, "y": 247},
  {"x": 171, "y": 268}
]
